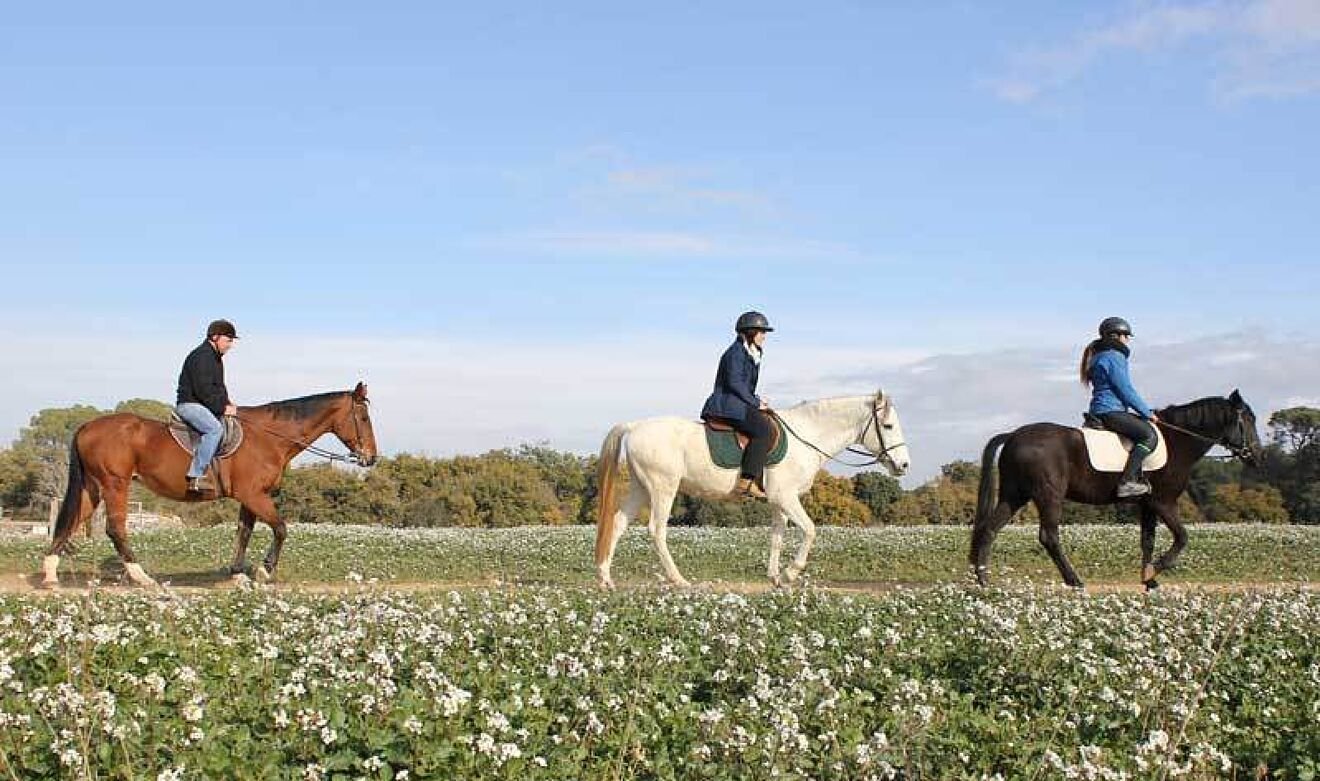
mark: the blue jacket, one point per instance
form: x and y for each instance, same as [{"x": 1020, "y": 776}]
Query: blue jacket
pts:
[
  {"x": 735, "y": 386},
  {"x": 1111, "y": 387}
]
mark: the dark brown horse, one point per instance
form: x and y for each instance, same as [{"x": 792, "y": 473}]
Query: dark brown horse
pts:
[
  {"x": 1046, "y": 463},
  {"x": 107, "y": 453}
]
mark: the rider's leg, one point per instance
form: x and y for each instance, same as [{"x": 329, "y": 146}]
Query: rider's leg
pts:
[
  {"x": 760, "y": 430},
  {"x": 1144, "y": 440},
  {"x": 204, "y": 422}
]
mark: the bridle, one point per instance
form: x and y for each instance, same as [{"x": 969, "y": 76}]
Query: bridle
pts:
[
  {"x": 878, "y": 414},
  {"x": 352, "y": 457},
  {"x": 1242, "y": 452}
]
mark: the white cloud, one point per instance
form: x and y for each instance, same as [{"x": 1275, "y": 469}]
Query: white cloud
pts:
[
  {"x": 1266, "y": 48},
  {"x": 445, "y": 396}
]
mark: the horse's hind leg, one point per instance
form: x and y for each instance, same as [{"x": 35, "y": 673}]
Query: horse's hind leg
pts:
[
  {"x": 632, "y": 505},
  {"x": 88, "y": 499},
  {"x": 662, "y": 503},
  {"x": 984, "y": 534},
  {"x": 1051, "y": 513},
  {"x": 115, "y": 492}
]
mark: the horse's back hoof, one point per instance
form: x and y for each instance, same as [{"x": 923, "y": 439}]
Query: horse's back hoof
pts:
[{"x": 1151, "y": 585}]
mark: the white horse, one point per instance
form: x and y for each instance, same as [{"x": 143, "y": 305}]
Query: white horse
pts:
[{"x": 668, "y": 455}]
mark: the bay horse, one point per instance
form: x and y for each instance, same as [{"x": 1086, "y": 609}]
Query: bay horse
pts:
[
  {"x": 108, "y": 452},
  {"x": 1046, "y": 463},
  {"x": 668, "y": 455}
]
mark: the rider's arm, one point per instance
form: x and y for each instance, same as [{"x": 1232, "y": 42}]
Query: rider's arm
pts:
[
  {"x": 740, "y": 380},
  {"x": 1122, "y": 383}
]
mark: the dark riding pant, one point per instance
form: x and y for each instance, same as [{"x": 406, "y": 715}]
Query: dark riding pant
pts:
[
  {"x": 1140, "y": 431},
  {"x": 760, "y": 430}
]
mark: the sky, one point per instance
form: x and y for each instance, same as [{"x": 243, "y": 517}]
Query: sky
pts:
[{"x": 526, "y": 222}]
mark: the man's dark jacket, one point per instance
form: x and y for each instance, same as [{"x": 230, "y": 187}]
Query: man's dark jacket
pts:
[{"x": 202, "y": 380}]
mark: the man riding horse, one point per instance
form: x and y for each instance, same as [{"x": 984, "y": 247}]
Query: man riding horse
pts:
[{"x": 202, "y": 399}]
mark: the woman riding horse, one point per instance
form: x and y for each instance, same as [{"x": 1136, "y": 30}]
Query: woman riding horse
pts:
[
  {"x": 734, "y": 401},
  {"x": 1105, "y": 369}
]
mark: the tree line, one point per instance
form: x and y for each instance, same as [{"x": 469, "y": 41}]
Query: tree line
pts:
[{"x": 537, "y": 485}]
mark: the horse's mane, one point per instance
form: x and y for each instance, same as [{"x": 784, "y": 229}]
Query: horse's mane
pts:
[
  {"x": 1209, "y": 414},
  {"x": 303, "y": 407}
]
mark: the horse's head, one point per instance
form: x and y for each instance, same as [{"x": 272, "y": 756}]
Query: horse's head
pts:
[
  {"x": 883, "y": 436},
  {"x": 353, "y": 427},
  {"x": 1241, "y": 436}
]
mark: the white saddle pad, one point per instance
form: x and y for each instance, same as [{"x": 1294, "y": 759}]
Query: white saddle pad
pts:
[{"x": 1109, "y": 452}]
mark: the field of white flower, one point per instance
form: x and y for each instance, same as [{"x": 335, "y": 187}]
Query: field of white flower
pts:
[
  {"x": 560, "y": 683},
  {"x": 563, "y": 555}
]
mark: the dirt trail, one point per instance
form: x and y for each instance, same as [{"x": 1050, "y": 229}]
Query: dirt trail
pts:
[{"x": 197, "y": 584}]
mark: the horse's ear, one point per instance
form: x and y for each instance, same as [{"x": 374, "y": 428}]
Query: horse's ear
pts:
[
  {"x": 879, "y": 393},
  {"x": 1236, "y": 398},
  {"x": 360, "y": 392}
]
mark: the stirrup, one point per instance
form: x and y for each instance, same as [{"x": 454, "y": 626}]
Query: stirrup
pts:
[
  {"x": 200, "y": 485},
  {"x": 1131, "y": 488}
]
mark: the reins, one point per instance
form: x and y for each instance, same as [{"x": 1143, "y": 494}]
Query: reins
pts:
[
  {"x": 350, "y": 458},
  {"x": 874, "y": 458}
]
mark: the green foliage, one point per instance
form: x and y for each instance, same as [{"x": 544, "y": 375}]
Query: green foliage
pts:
[
  {"x": 546, "y": 684},
  {"x": 878, "y": 491},
  {"x": 147, "y": 408},
  {"x": 1231, "y": 503},
  {"x": 831, "y": 502}
]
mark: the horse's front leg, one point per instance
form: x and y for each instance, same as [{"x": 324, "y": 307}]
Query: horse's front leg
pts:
[
  {"x": 1148, "y": 570},
  {"x": 1168, "y": 512},
  {"x": 246, "y": 520},
  {"x": 777, "y": 525},
  {"x": 796, "y": 513}
]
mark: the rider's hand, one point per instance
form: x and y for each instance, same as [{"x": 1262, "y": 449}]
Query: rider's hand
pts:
[
  {"x": 764, "y": 404},
  {"x": 231, "y": 410}
]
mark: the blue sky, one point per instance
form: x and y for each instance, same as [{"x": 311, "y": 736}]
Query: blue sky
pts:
[{"x": 603, "y": 183}]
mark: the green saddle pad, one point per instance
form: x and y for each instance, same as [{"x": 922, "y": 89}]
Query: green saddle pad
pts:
[{"x": 724, "y": 450}]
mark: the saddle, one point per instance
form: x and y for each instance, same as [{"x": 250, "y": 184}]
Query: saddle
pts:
[
  {"x": 186, "y": 438},
  {"x": 726, "y": 444},
  {"x": 1108, "y": 452}
]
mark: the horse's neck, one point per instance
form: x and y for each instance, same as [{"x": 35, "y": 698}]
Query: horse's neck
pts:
[
  {"x": 294, "y": 433},
  {"x": 829, "y": 424}
]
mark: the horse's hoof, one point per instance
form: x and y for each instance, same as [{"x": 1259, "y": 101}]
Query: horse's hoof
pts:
[
  {"x": 1150, "y": 585},
  {"x": 48, "y": 585},
  {"x": 791, "y": 574},
  {"x": 776, "y": 581},
  {"x": 262, "y": 575},
  {"x": 241, "y": 581}
]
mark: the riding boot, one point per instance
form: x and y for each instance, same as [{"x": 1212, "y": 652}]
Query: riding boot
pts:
[
  {"x": 1132, "y": 483},
  {"x": 747, "y": 488}
]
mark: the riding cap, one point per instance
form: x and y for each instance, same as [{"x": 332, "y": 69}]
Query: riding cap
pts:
[
  {"x": 752, "y": 321},
  {"x": 221, "y": 328},
  {"x": 1115, "y": 325}
]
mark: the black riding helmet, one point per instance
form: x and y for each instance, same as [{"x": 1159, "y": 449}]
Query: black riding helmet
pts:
[
  {"x": 752, "y": 321},
  {"x": 221, "y": 328},
  {"x": 1115, "y": 325}
]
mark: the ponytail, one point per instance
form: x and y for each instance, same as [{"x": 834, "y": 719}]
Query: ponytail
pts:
[{"x": 1088, "y": 355}]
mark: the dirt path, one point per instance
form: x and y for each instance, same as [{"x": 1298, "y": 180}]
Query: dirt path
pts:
[{"x": 194, "y": 585}]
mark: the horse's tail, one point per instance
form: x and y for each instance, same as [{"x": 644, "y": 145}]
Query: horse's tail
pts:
[
  {"x": 72, "y": 505},
  {"x": 607, "y": 488},
  {"x": 985, "y": 492}
]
